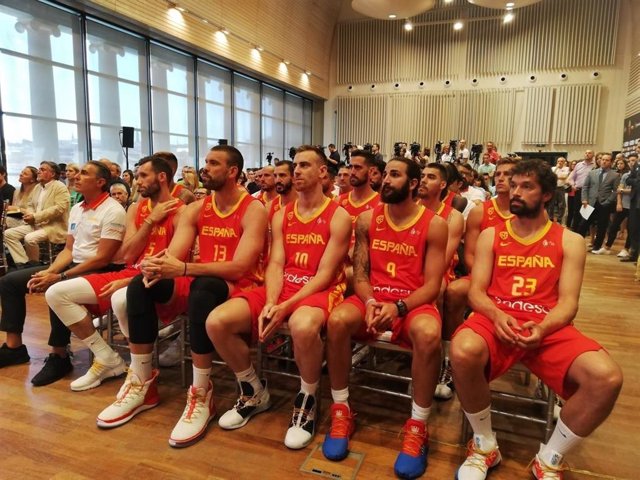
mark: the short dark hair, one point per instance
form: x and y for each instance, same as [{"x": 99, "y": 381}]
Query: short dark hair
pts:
[
  {"x": 317, "y": 150},
  {"x": 288, "y": 163},
  {"x": 377, "y": 145},
  {"x": 635, "y": 155},
  {"x": 158, "y": 164},
  {"x": 3, "y": 170},
  {"x": 331, "y": 145},
  {"x": 544, "y": 175},
  {"x": 234, "y": 157},
  {"x": 453, "y": 175},
  {"x": 414, "y": 172},
  {"x": 380, "y": 165},
  {"x": 103, "y": 172},
  {"x": 369, "y": 158},
  {"x": 467, "y": 167},
  {"x": 507, "y": 161},
  {"x": 444, "y": 174}
]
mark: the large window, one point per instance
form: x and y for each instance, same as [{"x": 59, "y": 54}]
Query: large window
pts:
[
  {"x": 41, "y": 85},
  {"x": 69, "y": 84},
  {"x": 117, "y": 79},
  {"x": 214, "y": 106}
]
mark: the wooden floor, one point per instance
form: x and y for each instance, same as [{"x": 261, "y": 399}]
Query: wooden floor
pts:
[{"x": 50, "y": 432}]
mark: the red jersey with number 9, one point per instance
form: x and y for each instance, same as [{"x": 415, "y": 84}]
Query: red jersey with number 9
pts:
[
  {"x": 161, "y": 232},
  {"x": 219, "y": 235},
  {"x": 396, "y": 253},
  {"x": 305, "y": 240},
  {"x": 526, "y": 272}
]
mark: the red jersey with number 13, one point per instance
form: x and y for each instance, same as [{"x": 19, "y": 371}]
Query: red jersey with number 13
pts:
[
  {"x": 219, "y": 235},
  {"x": 305, "y": 240},
  {"x": 526, "y": 272},
  {"x": 396, "y": 253}
]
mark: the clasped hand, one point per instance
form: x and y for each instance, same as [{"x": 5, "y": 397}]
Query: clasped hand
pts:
[{"x": 159, "y": 266}]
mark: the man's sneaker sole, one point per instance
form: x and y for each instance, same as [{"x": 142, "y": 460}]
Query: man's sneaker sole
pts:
[
  {"x": 122, "y": 420},
  {"x": 194, "y": 439},
  {"x": 259, "y": 409},
  {"x": 98, "y": 382}
]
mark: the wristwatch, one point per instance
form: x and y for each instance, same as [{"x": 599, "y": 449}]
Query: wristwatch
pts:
[
  {"x": 402, "y": 308},
  {"x": 63, "y": 276}
]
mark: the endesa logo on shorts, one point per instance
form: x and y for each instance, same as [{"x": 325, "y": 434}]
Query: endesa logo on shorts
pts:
[
  {"x": 295, "y": 279},
  {"x": 521, "y": 306},
  {"x": 395, "y": 291}
]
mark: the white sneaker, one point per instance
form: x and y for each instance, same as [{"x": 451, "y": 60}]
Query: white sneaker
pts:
[
  {"x": 134, "y": 397},
  {"x": 624, "y": 253},
  {"x": 482, "y": 455},
  {"x": 302, "y": 427},
  {"x": 195, "y": 418},
  {"x": 444, "y": 389},
  {"x": 97, "y": 374},
  {"x": 100, "y": 323},
  {"x": 172, "y": 355},
  {"x": 547, "y": 465},
  {"x": 247, "y": 405},
  {"x": 601, "y": 251}
]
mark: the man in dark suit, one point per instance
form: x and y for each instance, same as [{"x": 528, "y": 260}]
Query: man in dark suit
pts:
[
  {"x": 634, "y": 213},
  {"x": 599, "y": 191}
]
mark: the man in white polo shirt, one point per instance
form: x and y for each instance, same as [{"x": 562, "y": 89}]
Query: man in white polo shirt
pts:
[{"x": 96, "y": 229}]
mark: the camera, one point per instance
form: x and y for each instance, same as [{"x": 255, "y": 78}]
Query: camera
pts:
[
  {"x": 397, "y": 148},
  {"x": 292, "y": 152},
  {"x": 346, "y": 150},
  {"x": 367, "y": 147},
  {"x": 476, "y": 151},
  {"x": 415, "y": 149},
  {"x": 269, "y": 157},
  {"x": 453, "y": 148}
]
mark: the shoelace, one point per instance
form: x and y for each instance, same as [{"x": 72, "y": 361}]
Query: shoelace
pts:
[
  {"x": 549, "y": 472},
  {"x": 128, "y": 391},
  {"x": 300, "y": 417},
  {"x": 478, "y": 459},
  {"x": 194, "y": 406},
  {"x": 412, "y": 442},
  {"x": 97, "y": 368},
  {"x": 340, "y": 425},
  {"x": 446, "y": 377}
]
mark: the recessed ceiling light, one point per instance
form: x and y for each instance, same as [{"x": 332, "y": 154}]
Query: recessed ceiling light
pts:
[
  {"x": 510, "y": 5},
  {"x": 508, "y": 18},
  {"x": 392, "y": 16},
  {"x": 458, "y": 25},
  {"x": 448, "y": 1},
  {"x": 408, "y": 26}
]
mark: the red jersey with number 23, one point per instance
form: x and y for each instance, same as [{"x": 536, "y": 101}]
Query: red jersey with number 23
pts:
[
  {"x": 526, "y": 272},
  {"x": 396, "y": 253},
  {"x": 305, "y": 240},
  {"x": 219, "y": 235}
]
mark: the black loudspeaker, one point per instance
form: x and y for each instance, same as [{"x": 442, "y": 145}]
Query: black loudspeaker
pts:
[
  {"x": 223, "y": 141},
  {"x": 127, "y": 137}
]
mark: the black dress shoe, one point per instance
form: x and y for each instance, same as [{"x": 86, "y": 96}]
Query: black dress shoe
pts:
[
  {"x": 13, "y": 356},
  {"x": 55, "y": 367}
]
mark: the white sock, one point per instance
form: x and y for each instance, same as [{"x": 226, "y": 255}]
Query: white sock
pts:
[
  {"x": 445, "y": 349},
  {"x": 141, "y": 365},
  {"x": 562, "y": 441},
  {"x": 308, "y": 388},
  {"x": 101, "y": 350},
  {"x": 341, "y": 396},
  {"x": 481, "y": 422},
  {"x": 420, "y": 413},
  {"x": 249, "y": 376},
  {"x": 201, "y": 377}
]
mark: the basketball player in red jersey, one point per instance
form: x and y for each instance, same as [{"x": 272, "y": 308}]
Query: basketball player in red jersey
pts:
[
  {"x": 150, "y": 226},
  {"x": 526, "y": 282},
  {"x": 283, "y": 173},
  {"x": 267, "y": 181},
  {"x": 490, "y": 213},
  {"x": 304, "y": 281},
  {"x": 362, "y": 197},
  {"x": 231, "y": 227},
  {"x": 399, "y": 261}
]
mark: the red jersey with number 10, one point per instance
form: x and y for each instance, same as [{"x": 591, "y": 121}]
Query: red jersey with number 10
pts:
[
  {"x": 305, "y": 240},
  {"x": 219, "y": 235},
  {"x": 161, "y": 232},
  {"x": 396, "y": 253},
  {"x": 526, "y": 272},
  {"x": 355, "y": 209}
]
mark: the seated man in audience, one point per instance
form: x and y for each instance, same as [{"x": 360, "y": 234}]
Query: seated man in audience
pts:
[
  {"x": 96, "y": 229},
  {"x": 45, "y": 220},
  {"x": 267, "y": 182},
  {"x": 304, "y": 282},
  {"x": 527, "y": 276},
  {"x": 230, "y": 226},
  {"x": 120, "y": 192},
  {"x": 433, "y": 188},
  {"x": 283, "y": 174},
  {"x": 399, "y": 261},
  {"x": 342, "y": 180},
  {"x": 492, "y": 212},
  {"x": 150, "y": 226}
]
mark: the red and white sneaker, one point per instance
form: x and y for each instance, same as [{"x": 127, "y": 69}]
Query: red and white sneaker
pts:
[
  {"x": 482, "y": 455},
  {"x": 548, "y": 465},
  {"x": 134, "y": 397},
  {"x": 195, "y": 418}
]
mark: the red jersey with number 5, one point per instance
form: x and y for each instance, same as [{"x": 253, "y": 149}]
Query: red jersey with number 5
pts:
[
  {"x": 219, "y": 235},
  {"x": 526, "y": 272},
  {"x": 396, "y": 253},
  {"x": 161, "y": 232},
  {"x": 305, "y": 240}
]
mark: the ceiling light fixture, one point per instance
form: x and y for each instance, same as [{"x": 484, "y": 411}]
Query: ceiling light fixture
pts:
[
  {"x": 307, "y": 73},
  {"x": 286, "y": 62},
  {"x": 392, "y": 16},
  {"x": 408, "y": 26},
  {"x": 458, "y": 25},
  {"x": 508, "y": 18},
  {"x": 510, "y": 5},
  {"x": 224, "y": 30}
]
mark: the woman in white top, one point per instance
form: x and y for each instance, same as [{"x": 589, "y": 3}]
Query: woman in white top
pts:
[{"x": 21, "y": 197}]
